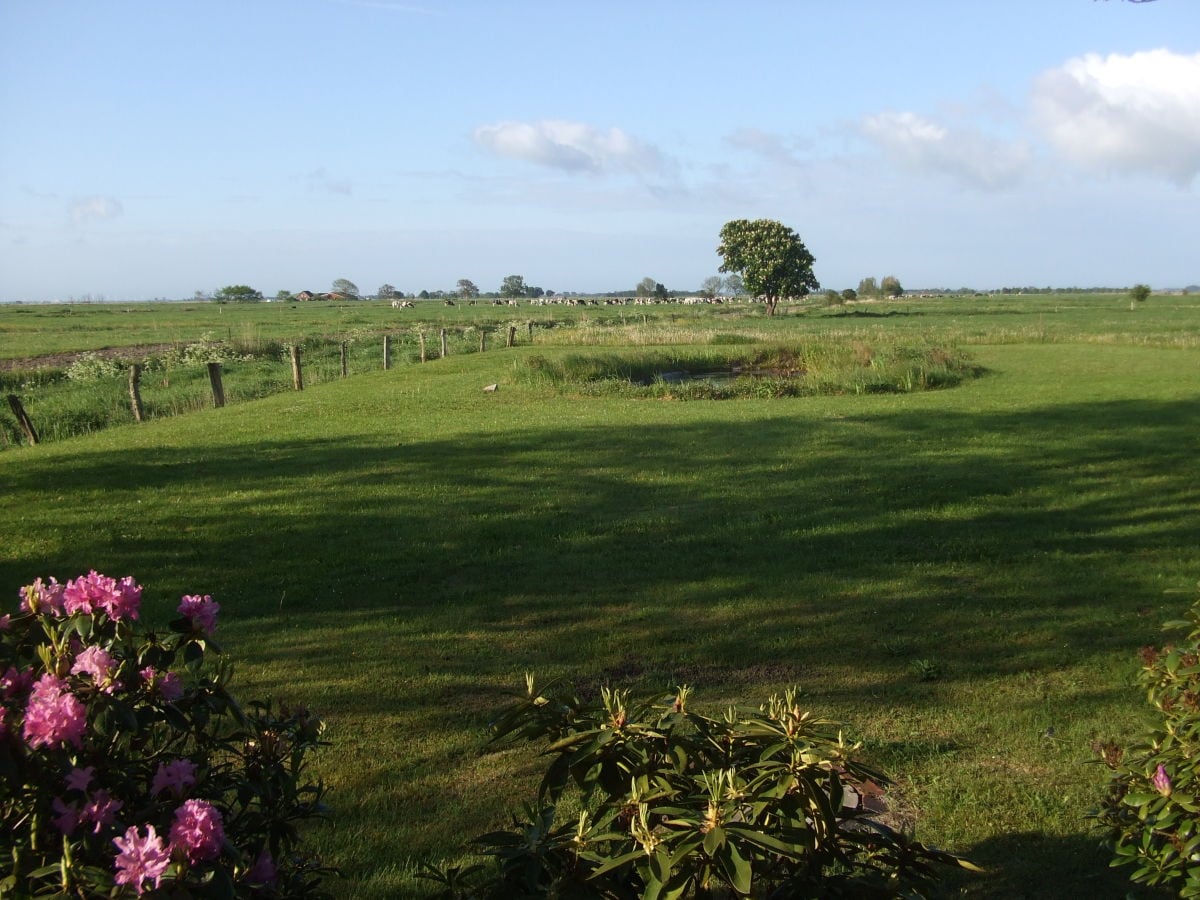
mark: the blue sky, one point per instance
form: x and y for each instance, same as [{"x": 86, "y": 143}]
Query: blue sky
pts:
[{"x": 153, "y": 149}]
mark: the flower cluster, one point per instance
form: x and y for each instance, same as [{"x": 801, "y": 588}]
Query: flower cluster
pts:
[{"x": 137, "y": 769}]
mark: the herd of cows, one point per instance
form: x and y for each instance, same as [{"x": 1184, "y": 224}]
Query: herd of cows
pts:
[{"x": 585, "y": 301}]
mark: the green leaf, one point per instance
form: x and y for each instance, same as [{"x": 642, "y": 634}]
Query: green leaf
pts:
[
  {"x": 1138, "y": 800},
  {"x": 714, "y": 840},
  {"x": 736, "y": 868}
]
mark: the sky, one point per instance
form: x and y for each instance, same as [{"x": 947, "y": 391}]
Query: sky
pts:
[{"x": 156, "y": 149}]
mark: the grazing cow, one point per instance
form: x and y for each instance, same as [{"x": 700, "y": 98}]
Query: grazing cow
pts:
[{"x": 449, "y": 302}]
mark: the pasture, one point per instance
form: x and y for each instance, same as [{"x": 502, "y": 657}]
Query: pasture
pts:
[{"x": 962, "y": 575}]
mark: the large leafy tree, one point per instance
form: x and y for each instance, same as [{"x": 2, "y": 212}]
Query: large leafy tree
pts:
[
  {"x": 891, "y": 286},
  {"x": 710, "y": 286},
  {"x": 770, "y": 257},
  {"x": 513, "y": 286},
  {"x": 347, "y": 287},
  {"x": 467, "y": 288},
  {"x": 237, "y": 293}
]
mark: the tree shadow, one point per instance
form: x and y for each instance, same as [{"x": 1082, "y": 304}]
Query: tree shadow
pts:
[{"x": 1033, "y": 866}]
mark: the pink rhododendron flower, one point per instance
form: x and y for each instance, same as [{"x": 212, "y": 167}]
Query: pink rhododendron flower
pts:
[
  {"x": 166, "y": 684},
  {"x": 264, "y": 870},
  {"x": 41, "y": 598},
  {"x": 65, "y": 818},
  {"x": 15, "y": 683},
  {"x": 79, "y": 779},
  {"x": 1162, "y": 782},
  {"x": 100, "y": 810},
  {"x": 170, "y": 687},
  {"x": 201, "y": 612},
  {"x": 94, "y": 661},
  {"x": 141, "y": 859},
  {"x": 54, "y": 716},
  {"x": 197, "y": 831},
  {"x": 5, "y": 622},
  {"x": 175, "y": 777},
  {"x": 94, "y": 593}
]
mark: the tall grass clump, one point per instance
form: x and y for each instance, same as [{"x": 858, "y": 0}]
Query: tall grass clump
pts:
[{"x": 796, "y": 370}]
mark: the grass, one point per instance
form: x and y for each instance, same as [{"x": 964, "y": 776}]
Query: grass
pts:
[{"x": 962, "y": 575}]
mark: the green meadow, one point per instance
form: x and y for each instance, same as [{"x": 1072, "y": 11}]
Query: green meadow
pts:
[{"x": 962, "y": 574}]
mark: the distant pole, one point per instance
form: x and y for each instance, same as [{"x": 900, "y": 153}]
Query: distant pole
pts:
[
  {"x": 297, "y": 375},
  {"x": 214, "y": 378},
  {"x": 387, "y": 352},
  {"x": 344, "y": 359},
  {"x": 23, "y": 420},
  {"x": 135, "y": 394},
  {"x": 443, "y": 343}
]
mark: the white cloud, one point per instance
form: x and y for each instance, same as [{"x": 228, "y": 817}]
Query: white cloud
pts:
[
  {"x": 960, "y": 151},
  {"x": 95, "y": 209},
  {"x": 570, "y": 147},
  {"x": 1118, "y": 113}
]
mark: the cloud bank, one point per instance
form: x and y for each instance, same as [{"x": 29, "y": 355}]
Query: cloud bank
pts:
[
  {"x": 570, "y": 147},
  {"x": 1124, "y": 113},
  {"x": 962, "y": 152}
]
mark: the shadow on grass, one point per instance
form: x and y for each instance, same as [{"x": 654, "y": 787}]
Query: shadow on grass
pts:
[
  {"x": 712, "y": 545},
  {"x": 399, "y": 582},
  {"x": 1030, "y": 866}
]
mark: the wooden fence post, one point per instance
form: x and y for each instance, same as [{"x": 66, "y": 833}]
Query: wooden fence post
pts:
[
  {"x": 387, "y": 352},
  {"x": 421, "y": 335},
  {"x": 135, "y": 393},
  {"x": 443, "y": 356},
  {"x": 482, "y": 340},
  {"x": 214, "y": 378},
  {"x": 14, "y": 403},
  {"x": 344, "y": 359},
  {"x": 530, "y": 324},
  {"x": 297, "y": 374},
  {"x": 512, "y": 335}
]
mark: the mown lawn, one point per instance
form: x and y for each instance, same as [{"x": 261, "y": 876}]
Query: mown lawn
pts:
[{"x": 964, "y": 576}]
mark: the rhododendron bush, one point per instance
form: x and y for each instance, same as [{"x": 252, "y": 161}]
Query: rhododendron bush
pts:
[{"x": 128, "y": 768}]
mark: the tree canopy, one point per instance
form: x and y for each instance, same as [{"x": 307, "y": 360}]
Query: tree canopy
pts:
[
  {"x": 513, "y": 286},
  {"x": 711, "y": 286},
  {"x": 237, "y": 293},
  {"x": 345, "y": 286},
  {"x": 386, "y": 292},
  {"x": 770, "y": 257},
  {"x": 891, "y": 286},
  {"x": 467, "y": 288},
  {"x": 1139, "y": 293}
]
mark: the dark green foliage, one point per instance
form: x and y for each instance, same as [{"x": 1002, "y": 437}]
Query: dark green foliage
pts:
[
  {"x": 1152, "y": 808},
  {"x": 766, "y": 802}
]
